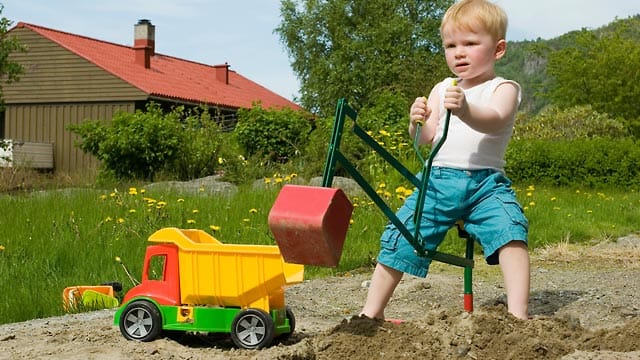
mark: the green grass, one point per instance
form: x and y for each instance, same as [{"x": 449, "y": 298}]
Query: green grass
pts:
[{"x": 59, "y": 238}]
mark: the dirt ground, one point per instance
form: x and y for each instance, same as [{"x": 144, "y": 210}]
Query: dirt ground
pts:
[{"x": 584, "y": 302}]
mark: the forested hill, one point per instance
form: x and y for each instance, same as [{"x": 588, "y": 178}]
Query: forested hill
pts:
[{"x": 527, "y": 61}]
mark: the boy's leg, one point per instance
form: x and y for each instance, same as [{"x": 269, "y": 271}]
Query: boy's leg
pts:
[
  {"x": 383, "y": 282},
  {"x": 514, "y": 263}
]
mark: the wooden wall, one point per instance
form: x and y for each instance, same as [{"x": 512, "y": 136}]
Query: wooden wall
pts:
[
  {"x": 46, "y": 123},
  {"x": 60, "y": 88}
]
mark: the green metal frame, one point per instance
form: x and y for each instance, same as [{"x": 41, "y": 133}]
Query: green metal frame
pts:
[{"x": 335, "y": 156}]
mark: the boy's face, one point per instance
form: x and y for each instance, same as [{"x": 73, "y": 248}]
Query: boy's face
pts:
[{"x": 471, "y": 55}]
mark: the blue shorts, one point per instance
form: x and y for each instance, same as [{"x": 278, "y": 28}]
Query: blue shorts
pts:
[{"x": 483, "y": 199}]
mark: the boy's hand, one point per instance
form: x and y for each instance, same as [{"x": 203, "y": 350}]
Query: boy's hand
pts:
[
  {"x": 419, "y": 111},
  {"x": 455, "y": 101}
]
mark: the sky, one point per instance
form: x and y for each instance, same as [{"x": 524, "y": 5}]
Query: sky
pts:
[{"x": 241, "y": 32}]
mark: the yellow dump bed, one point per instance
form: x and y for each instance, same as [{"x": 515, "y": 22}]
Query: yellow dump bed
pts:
[{"x": 230, "y": 275}]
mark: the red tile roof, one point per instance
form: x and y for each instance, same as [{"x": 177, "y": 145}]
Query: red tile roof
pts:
[{"x": 167, "y": 77}]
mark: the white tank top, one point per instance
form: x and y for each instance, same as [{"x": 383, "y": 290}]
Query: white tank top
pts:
[{"x": 466, "y": 148}]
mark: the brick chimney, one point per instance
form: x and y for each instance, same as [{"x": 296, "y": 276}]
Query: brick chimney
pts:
[
  {"x": 144, "y": 42},
  {"x": 222, "y": 73}
]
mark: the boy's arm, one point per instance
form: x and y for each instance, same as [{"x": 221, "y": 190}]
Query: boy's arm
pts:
[
  {"x": 425, "y": 110},
  {"x": 486, "y": 119}
]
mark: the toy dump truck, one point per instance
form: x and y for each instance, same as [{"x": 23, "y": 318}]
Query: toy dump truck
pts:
[{"x": 191, "y": 282}]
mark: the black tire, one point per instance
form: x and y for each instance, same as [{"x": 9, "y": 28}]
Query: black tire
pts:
[
  {"x": 252, "y": 329},
  {"x": 141, "y": 320}
]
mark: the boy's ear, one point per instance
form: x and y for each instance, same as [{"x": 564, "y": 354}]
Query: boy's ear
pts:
[{"x": 501, "y": 48}]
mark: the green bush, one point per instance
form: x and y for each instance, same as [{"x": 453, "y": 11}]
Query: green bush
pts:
[
  {"x": 386, "y": 121},
  {"x": 275, "y": 135},
  {"x": 181, "y": 144},
  {"x": 577, "y": 122},
  {"x": 580, "y": 162},
  {"x": 132, "y": 146},
  {"x": 203, "y": 148}
]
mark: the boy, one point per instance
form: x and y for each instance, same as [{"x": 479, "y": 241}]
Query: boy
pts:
[{"x": 467, "y": 179}]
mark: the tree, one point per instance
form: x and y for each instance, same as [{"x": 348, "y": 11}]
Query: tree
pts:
[
  {"x": 10, "y": 71},
  {"x": 355, "y": 48},
  {"x": 600, "y": 69}
]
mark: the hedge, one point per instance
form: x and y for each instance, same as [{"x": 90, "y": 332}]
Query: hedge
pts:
[{"x": 579, "y": 162}]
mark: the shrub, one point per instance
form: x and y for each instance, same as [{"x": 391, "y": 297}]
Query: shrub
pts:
[
  {"x": 181, "y": 144},
  {"x": 578, "y": 162},
  {"x": 203, "y": 147},
  {"x": 386, "y": 121},
  {"x": 578, "y": 122},
  {"x": 275, "y": 135},
  {"x": 134, "y": 145}
]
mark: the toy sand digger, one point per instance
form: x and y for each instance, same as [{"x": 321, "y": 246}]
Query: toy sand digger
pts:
[{"x": 310, "y": 223}]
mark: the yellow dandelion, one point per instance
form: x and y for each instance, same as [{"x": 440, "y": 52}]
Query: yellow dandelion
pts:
[
  {"x": 220, "y": 161},
  {"x": 195, "y": 211},
  {"x": 529, "y": 194},
  {"x": 120, "y": 220},
  {"x": 287, "y": 178},
  {"x": 532, "y": 203},
  {"x": 112, "y": 194},
  {"x": 531, "y": 188},
  {"x": 133, "y": 191},
  {"x": 351, "y": 221},
  {"x": 246, "y": 220},
  {"x": 384, "y": 133},
  {"x": 201, "y": 189},
  {"x": 267, "y": 180},
  {"x": 293, "y": 175},
  {"x": 382, "y": 185},
  {"x": 108, "y": 219},
  {"x": 142, "y": 191},
  {"x": 191, "y": 221},
  {"x": 553, "y": 198},
  {"x": 278, "y": 180},
  {"x": 118, "y": 260},
  {"x": 589, "y": 211},
  {"x": 253, "y": 210},
  {"x": 1, "y": 247},
  {"x": 214, "y": 227},
  {"x": 132, "y": 211},
  {"x": 103, "y": 197},
  {"x": 180, "y": 200}
]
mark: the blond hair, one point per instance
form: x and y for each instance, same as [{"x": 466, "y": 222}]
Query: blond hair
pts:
[{"x": 477, "y": 15}]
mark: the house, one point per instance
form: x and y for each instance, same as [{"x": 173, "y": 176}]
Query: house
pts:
[{"x": 71, "y": 78}]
